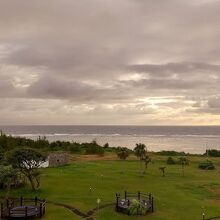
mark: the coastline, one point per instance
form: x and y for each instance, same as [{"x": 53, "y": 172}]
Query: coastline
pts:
[{"x": 190, "y": 139}]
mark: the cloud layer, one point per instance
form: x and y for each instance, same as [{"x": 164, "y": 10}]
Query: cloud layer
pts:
[{"x": 109, "y": 62}]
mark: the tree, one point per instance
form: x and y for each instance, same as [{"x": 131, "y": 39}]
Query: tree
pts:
[
  {"x": 183, "y": 161},
  {"x": 147, "y": 160},
  {"x": 170, "y": 161},
  {"x": 8, "y": 176},
  {"x": 27, "y": 161},
  {"x": 122, "y": 153},
  {"x": 140, "y": 152},
  {"x": 162, "y": 169},
  {"x": 106, "y": 145}
]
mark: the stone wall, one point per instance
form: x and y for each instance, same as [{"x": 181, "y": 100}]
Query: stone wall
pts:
[{"x": 58, "y": 159}]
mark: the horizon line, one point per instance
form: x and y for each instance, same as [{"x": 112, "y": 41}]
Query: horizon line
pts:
[{"x": 135, "y": 125}]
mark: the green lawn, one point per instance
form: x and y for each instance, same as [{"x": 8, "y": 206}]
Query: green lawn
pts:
[{"x": 176, "y": 197}]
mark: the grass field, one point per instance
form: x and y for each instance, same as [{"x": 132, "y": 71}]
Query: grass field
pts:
[{"x": 176, "y": 197}]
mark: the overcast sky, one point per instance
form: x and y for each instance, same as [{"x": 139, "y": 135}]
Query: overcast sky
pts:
[{"x": 144, "y": 62}]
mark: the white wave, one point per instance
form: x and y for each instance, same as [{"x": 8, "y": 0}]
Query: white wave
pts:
[{"x": 115, "y": 135}]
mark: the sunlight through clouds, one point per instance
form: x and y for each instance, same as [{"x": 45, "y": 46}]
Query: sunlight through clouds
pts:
[{"x": 106, "y": 62}]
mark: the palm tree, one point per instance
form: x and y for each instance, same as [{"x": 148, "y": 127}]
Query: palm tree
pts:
[
  {"x": 140, "y": 152},
  {"x": 147, "y": 160},
  {"x": 183, "y": 161},
  {"x": 122, "y": 153}
]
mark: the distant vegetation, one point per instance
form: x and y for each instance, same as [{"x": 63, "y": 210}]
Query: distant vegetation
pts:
[
  {"x": 212, "y": 153},
  {"x": 171, "y": 153},
  {"x": 8, "y": 143}
]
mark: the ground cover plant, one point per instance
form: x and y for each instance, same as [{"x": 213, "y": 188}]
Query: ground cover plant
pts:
[{"x": 207, "y": 165}]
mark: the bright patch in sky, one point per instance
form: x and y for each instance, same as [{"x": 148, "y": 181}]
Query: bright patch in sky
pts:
[{"x": 110, "y": 62}]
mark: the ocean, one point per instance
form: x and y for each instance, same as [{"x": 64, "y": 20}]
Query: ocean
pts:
[{"x": 192, "y": 139}]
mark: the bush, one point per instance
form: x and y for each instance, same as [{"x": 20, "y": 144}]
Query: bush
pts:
[
  {"x": 170, "y": 161},
  {"x": 122, "y": 153},
  {"x": 74, "y": 148},
  {"x": 94, "y": 148},
  {"x": 136, "y": 208},
  {"x": 207, "y": 165}
]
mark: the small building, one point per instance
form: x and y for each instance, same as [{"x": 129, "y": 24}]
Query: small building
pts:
[{"x": 58, "y": 159}]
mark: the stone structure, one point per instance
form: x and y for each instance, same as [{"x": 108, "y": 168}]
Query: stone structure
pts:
[{"x": 58, "y": 159}]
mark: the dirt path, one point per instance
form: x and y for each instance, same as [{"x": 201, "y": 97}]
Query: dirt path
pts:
[
  {"x": 88, "y": 215},
  {"x": 106, "y": 157}
]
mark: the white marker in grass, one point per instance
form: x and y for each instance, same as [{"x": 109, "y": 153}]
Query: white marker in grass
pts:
[{"x": 98, "y": 202}]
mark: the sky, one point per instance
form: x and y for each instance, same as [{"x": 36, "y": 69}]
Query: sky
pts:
[{"x": 128, "y": 62}]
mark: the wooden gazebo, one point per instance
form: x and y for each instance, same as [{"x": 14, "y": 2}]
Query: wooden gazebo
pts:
[
  {"x": 23, "y": 208},
  {"x": 123, "y": 204}
]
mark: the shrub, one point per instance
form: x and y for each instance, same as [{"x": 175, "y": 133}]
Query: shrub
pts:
[
  {"x": 207, "y": 165},
  {"x": 136, "y": 208},
  {"x": 170, "y": 161},
  {"x": 122, "y": 153},
  {"x": 94, "y": 148},
  {"x": 75, "y": 149}
]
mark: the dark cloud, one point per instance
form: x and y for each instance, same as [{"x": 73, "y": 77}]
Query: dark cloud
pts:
[
  {"x": 214, "y": 103},
  {"x": 48, "y": 87},
  {"x": 169, "y": 69},
  {"x": 116, "y": 57},
  {"x": 7, "y": 89}
]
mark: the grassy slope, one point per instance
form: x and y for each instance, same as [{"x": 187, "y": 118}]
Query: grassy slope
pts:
[{"x": 176, "y": 197}]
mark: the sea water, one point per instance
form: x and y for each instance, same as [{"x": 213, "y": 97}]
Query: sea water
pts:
[{"x": 193, "y": 139}]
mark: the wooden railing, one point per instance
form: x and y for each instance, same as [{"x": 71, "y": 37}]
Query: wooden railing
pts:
[
  {"x": 23, "y": 207},
  {"x": 148, "y": 198}
]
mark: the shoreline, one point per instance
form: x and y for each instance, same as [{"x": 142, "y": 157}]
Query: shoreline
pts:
[{"x": 187, "y": 144}]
